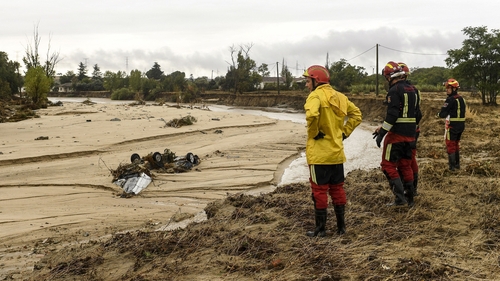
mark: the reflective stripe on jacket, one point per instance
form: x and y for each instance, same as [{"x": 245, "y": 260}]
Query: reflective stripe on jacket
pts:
[
  {"x": 454, "y": 109},
  {"x": 403, "y": 109}
]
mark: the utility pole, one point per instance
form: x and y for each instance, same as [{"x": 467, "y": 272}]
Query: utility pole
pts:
[
  {"x": 376, "y": 79},
  {"x": 278, "y": 76},
  {"x": 18, "y": 76}
]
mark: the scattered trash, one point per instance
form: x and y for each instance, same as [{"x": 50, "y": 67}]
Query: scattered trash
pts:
[
  {"x": 42, "y": 138},
  {"x": 136, "y": 176},
  {"x": 134, "y": 183},
  {"x": 215, "y": 119},
  {"x": 218, "y": 131},
  {"x": 115, "y": 119}
]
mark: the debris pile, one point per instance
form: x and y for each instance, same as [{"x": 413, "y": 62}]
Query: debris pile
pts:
[
  {"x": 177, "y": 123},
  {"x": 136, "y": 175}
]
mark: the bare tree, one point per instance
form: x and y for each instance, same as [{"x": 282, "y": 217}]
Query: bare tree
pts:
[
  {"x": 240, "y": 72},
  {"x": 32, "y": 55}
]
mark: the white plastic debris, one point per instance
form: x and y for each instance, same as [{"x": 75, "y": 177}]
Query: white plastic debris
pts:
[{"x": 134, "y": 184}]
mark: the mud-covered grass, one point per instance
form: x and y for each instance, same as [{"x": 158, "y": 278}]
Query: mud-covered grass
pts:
[{"x": 452, "y": 233}]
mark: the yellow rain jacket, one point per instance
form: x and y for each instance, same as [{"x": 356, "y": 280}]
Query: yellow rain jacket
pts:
[{"x": 326, "y": 110}]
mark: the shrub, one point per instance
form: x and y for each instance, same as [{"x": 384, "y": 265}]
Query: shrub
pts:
[{"x": 123, "y": 94}]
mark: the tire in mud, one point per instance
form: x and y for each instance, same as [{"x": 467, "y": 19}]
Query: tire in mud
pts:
[
  {"x": 134, "y": 157},
  {"x": 157, "y": 158},
  {"x": 190, "y": 157}
]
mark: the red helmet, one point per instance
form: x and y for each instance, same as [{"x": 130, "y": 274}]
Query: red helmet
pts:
[
  {"x": 451, "y": 83},
  {"x": 405, "y": 68},
  {"x": 318, "y": 73},
  {"x": 392, "y": 70}
]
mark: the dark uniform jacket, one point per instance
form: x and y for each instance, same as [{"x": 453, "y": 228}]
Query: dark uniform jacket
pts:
[
  {"x": 455, "y": 107},
  {"x": 403, "y": 109}
]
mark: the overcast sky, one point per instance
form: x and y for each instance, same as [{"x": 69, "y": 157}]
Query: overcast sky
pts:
[{"x": 195, "y": 36}]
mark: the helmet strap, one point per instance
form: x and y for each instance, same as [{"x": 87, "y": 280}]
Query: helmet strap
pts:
[
  {"x": 314, "y": 84},
  {"x": 391, "y": 81}
]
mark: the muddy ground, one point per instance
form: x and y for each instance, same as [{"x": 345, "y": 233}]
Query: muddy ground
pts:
[{"x": 452, "y": 233}]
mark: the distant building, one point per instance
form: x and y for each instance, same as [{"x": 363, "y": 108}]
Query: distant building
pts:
[
  {"x": 66, "y": 88},
  {"x": 274, "y": 81}
]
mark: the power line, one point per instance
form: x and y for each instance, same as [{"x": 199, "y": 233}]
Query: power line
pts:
[
  {"x": 361, "y": 53},
  {"x": 422, "y": 54}
]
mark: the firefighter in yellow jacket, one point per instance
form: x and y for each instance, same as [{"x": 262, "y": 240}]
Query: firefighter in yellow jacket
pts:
[{"x": 326, "y": 111}]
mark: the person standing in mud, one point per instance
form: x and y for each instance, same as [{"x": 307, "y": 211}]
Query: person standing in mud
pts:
[
  {"x": 326, "y": 111},
  {"x": 414, "y": 164},
  {"x": 454, "y": 111},
  {"x": 399, "y": 128}
]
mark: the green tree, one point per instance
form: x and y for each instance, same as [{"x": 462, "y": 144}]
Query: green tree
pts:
[
  {"x": 263, "y": 70},
  {"x": 123, "y": 94},
  {"x": 10, "y": 80},
  {"x": 190, "y": 94},
  {"x": 435, "y": 75},
  {"x": 202, "y": 83},
  {"x": 150, "y": 88},
  {"x": 96, "y": 73},
  {"x": 114, "y": 81},
  {"x": 82, "y": 71},
  {"x": 155, "y": 72},
  {"x": 242, "y": 75},
  {"x": 37, "y": 85},
  {"x": 343, "y": 75},
  {"x": 217, "y": 83},
  {"x": 67, "y": 78},
  {"x": 174, "y": 82},
  {"x": 135, "y": 80},
  {"x": 285, "y": 73},
  {"x": 84, "y": 83},
  {"x": 478, "y": 61},
  {"x": 32, "y": 57}
]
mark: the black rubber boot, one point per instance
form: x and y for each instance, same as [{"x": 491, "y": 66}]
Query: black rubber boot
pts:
[
  {"x": 415, "y": 183},
  {"x": 408, "y": 186},
  {"x": 457, "y": 160},
  {"x": 452, "y": 159},
  {"x": 340, "y": 214},
  {"x": 399, "y": 193},
  {"x": 320, "y": 217}
]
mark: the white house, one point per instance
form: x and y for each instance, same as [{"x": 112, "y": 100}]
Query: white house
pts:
[
  {"x": 274, "y": 80},
  {"x": 66, "y": 88}
]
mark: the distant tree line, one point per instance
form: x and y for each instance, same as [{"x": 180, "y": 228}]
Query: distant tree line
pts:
[{"x": 476, "y": 65}]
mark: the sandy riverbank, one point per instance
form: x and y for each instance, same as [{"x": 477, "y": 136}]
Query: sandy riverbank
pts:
[{"x": 56, "y": 181}]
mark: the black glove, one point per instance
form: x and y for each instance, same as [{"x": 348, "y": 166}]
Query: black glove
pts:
[
  {"x": 380, "y": 136},
  {"x": 344, "y": 136},
  {"x": 375, "y": 134},
  {"x": 320, "y": 135}
]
